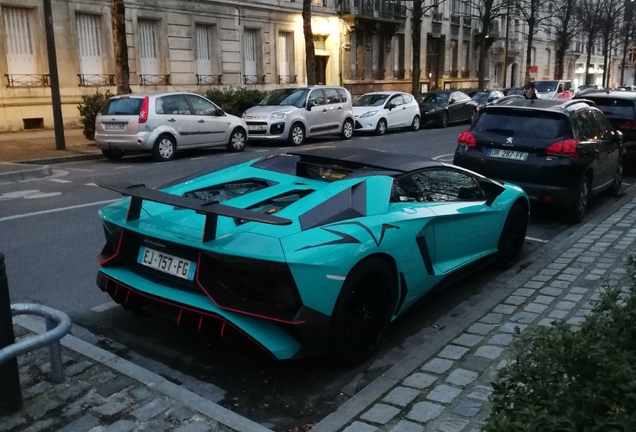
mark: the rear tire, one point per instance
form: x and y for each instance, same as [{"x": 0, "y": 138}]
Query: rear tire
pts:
[
  {"x": 164, "y": 148},
  {"x": 380, "y": 128},
  {"x": 443, "y": 121},
  {"x": 113, "y": 155},
  {"x": 415, "y": 125},
  {"x": 347, "y": 130},
  {"x": 576, "y": 211},
  {"x": 513, "y": 235},
  {"x": 296, "y": 135},
  {"x": 238, "y": 138},
  {"x": 615, "y": 190},
  {"x": 363, "y": 311},
  {"x": 473, "y": 117}
]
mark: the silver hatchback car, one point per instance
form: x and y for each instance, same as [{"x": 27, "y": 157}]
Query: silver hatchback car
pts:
[
  {"x": 162, "y": 123},
  {"x": 292, "y": 114}
]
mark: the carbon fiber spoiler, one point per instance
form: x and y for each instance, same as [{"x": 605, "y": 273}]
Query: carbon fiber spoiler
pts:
[{"x": 212, "y": 210}]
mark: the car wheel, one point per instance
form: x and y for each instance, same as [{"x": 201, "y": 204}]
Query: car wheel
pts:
[
  {"x": 112, "y": 154},
  {"x": 296, "y": 134},
  {"x": 415, "y": 125},
  {"x": 473, "y": 117},
  {"x": 380, "y": 129},
  {"x": 576, "y": 211},
  {"x": 363, "y": 311},
  {"x": 347, "y": 130},
  {"x": 164, "y": 148},
  {"x": 238, "y": 138},
  {"x": 615, "y": 190},
  {"x": 443, "y": 120},
  {"x": 513, "y": 235}
]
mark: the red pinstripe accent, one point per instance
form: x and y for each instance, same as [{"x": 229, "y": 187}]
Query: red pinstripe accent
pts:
[
  {"x": 121, "y": 236},
  {"x": 223, "y": 330},
  {"x": 179, "y": 318}
]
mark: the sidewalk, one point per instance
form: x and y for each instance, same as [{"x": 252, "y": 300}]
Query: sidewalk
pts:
[{"x": 40, "y": 145}]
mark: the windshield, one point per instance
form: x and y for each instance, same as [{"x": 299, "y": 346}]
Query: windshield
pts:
[
  {"x": 292, "y": 97},
  {"x": 371, "y": 100},
  {"x": 435, "y": 98},
  {"x": 122, "y": 106},
  {"x": 481, "y": 97},
  {"x": 546, "y": 86},
  {"x": 521, "y": 123},
  {"x": 515, "y": 91},
  {"x": 618, "y": 108}
]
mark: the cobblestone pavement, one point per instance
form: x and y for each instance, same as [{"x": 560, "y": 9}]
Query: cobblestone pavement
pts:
[
  {"x": 94, "y": 397},
  {"x": 449, "y": 392}
]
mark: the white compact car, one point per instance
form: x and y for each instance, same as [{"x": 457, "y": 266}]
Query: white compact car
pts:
[{"x": 379, "y": 111}]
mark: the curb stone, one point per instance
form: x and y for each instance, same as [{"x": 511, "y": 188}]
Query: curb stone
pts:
[
  {"x": 24, "y": 172},
  {"x": 62, "y": 159},
  {"x": 492, "y": 295}
]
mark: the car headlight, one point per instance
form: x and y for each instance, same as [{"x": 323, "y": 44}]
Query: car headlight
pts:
[
  {"x": 279, "y": 115},
  {"x": 368, "y": 114}
]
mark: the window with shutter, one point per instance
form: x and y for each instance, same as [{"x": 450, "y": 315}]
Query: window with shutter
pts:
[
  {"x": 204, "y": 50},
  {"x": 250, "y": 52},
  {"x": 89, "y": 44},
  {"x": 19, "y": 48},
  {"x": 148, "y": 55}
]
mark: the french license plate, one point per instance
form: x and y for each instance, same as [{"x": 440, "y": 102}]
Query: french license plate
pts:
[
  {"x": 114, "y": 126},
  {"x": 255, "y": 127},
  {"x": 508, "y": 154},
  {"x": 167, "y": 263}
]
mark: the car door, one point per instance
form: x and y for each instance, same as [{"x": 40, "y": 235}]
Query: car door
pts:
[
  {"x": 318, "y": 113},
  {"x": 610, "y": 146},
  {"x": 454, "y": 107},
  {"x": 334, "y": 105},
  {"x": 465, "y": 227},
  {"x": 395, "y": 111},
  {"x": 213, "y": 127},
  {"x": 174, "y": 111},
  {"x": 412, "y": 108},
  {"x": 465, "y": 105},
  {"x": 590, "y": 146}
]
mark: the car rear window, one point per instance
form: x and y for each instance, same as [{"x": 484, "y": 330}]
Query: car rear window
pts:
[
  {"x": 522, "y": 123},
  {"x": 615, "y": 107},
  {"x": 122, "y": 106}
]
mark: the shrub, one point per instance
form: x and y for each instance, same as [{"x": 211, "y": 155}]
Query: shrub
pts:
[
  {"x": 88, "y": 110},
  {"x": 235, "y": 100},
  {"x": 565, "y": 380}
]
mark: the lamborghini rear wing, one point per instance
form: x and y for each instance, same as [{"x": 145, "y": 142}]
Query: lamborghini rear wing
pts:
[{"x": 212, "y": 210}]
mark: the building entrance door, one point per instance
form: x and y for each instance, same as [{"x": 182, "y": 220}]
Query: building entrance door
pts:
[{"x": 321, "y": 70}]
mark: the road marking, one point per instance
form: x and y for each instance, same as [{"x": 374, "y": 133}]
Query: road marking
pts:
[
  {"x": 43, "y": 195},
  {"x": 79, "y": 169},
  {"x": 537, "y": 240},
  {"x": 20, "y": 194},
  {"x": 105, "y": 306},
  {"x": 260, "y": 151},
  {"x": 90, "y": 184},
  {"x": 124, "y": 167},
  {"x": 55, "y": 210},
  {"x": 198, "y": 158},
  {"x": 445, "y": 156},
  {"x": 365, "y": 138},
  {"x": 56, "y": 180}
]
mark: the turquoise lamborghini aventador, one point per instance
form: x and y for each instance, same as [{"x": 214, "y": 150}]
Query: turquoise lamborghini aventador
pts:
[{"x": 308, "y": 253}]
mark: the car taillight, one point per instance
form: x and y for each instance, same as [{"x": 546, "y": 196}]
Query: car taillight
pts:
[
  {"x": 627, "y": 125},
  {"x": 467, "y": 138},
  {"x": 562, "y": 148},
  {"x": 143, "y": 114}
]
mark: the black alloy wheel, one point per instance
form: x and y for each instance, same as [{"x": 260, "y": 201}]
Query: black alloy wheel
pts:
[
  {"x": 576, "y": 211},
  {"x": 363, "y": 311},
  {"x": 443, "y": 120},
  {"x": 618, "y": 179},
  {"x": 513, "y": 235},
  {"x": 473, "y": 117}
]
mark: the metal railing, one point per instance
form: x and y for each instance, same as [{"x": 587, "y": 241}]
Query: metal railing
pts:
[
  {"x": 378, "y": 74},
  {"x": 465, "y": 74},
  {"x": 357, "y": 74},
  {"x": 58, "y": 324},
  {"x": 154, "y": 80},
  {"x": 96, "y": 80},
  {"x": 27, "y": 80},
  {"x": 209, "y": 79},
  {"x": 375, "y": 8},
  {"x": 437, "y": 16},
  {"x": 398, "y": 74},
  {"x": 254, "y": 79},
  {"x": 454, "y": 73},
  {"x": 455, "y": 19},
  {"x": 287, "y": 79},
  {"x": 468, "y": 21}
]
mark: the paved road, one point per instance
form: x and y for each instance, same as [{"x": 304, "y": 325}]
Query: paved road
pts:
[{"x": 50, "y": 233}]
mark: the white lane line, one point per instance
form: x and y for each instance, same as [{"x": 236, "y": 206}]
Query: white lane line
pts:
[
  {"x": 537, "y": 239},
  {"x": 43, "y": 195},
  {"x": 90, "y": 184},
  {"x": 55, "y": 210},
  {"x": 445, "y": 156},
  {"x": 627, "y": 184},
  {"x": 124, "y": 167},
  {"x": 198, "y": 158},
  {"x": 260, "y": 151},
  {"x": 79, "y": 169},
  {"x": 56, "y": 180},
  {"x": 104, "y": 307}
]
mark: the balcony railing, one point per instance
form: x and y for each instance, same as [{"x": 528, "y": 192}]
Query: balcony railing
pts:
[
  {"x": 254, "y": 79},
  {"x": 468, "y": 21},
  {"x": 398, "y": 74},
  {"x": 209, "y": 79},
  {"x": 437, "y": 16},
  {"x": 454, "y": 73},
  {"x": 27, "y": 80},
  {"x": 455, "y": 19},
  {"x": 378, "y": 74},
  {"x": 154, "y": 80},
  {"x": 375, "y": 9},
  {"x": 287, "y": 79},
  {"x": 465, "y": 74},
  {"x": 96, "y": 80},
  {"x": 357, "y": 74}
]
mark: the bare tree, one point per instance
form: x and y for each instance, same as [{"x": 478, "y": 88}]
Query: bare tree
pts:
[
  {"x": 310, "y": 53},
  {"x": 611, "y": 18},
  {"x": 122, "y": 70},
  {"x": 627, "y": 36},
  {"x": 485, "y": 12},
  {"x": 567, "y": 26},
  {"x": 589, "y": 16},
  {"x": 533, "y": 12}
]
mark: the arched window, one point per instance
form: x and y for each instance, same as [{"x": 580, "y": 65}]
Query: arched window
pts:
[{"x": 496, "y": 77}]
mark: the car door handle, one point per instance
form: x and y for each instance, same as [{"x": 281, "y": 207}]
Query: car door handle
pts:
[
  {"x": 339, "y": 108},
  {"x": 403, "y": 107},
  {"x": 201, "y": 121},
  {"x": 171, "y": 120}
]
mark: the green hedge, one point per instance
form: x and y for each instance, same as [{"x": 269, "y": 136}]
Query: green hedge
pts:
[
  {"x": 235, "y": 100},
  {"x": 565, "y": 380},
  {"x": 88, "y": 109}
]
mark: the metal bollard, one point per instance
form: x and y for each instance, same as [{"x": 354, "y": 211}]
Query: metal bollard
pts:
[{"x": 10, "y": 394}]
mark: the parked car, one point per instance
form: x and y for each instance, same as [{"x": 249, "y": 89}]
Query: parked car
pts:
[
  {"x": 554, "y": 89},
  {"x": 380, "y": 111},
  {"x": 620, "y": 108},
  {"x": 588, "y": 87},
  {"x": 162, "y": 123},
  {"x": 627, "y": 88},
  {"x": 486, "y": 97},
  {"x": 293, "y": 114},
  {"x": 444, "y": 107},
  {"x": 309, "y": 253},
  {"x": 513, "y": 91},
  {"x": 559, "y": 153}
]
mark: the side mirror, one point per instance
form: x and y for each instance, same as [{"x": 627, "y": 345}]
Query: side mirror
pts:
[
  {"x": 451, "y": 101},
  {"x": 219, "y": 113},
  {"x": 310, "y": 103},
  {"x": 619, "y": 136},
  {"x": 491, "y": 189},
  {"x": 391, "y": 106}
]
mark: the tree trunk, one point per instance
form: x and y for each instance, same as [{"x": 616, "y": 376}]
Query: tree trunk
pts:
[
  {"x": 416, "y": 37},
  {"x": 483, "y": 47},
  {"x": 607, "y": 47},
  {"x": 560, "y": 60},
  {"x": 529, "y": 50},
  {"x": 310, "y": 54},
  {"x": 122, "y": 71},
  {"x": 625, "y": 48},
  {"x": 590, "y": 42}
]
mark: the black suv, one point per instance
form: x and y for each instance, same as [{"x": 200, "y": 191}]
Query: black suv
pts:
[
  {"x": 620, "y": 108},
  {"x": 558, "y": 152}
]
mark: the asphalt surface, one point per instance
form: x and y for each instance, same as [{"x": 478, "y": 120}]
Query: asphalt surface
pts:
[{"x": 50, "y": 233}]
